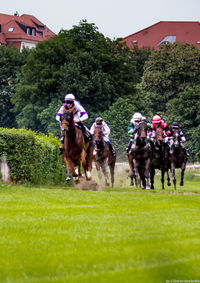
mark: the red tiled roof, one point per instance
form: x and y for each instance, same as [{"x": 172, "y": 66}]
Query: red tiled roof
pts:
[
  {"x": 185, "y": 32},
  {"x": 20, "y": 24}
]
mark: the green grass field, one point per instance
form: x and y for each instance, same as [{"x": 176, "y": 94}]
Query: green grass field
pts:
[{"x": 121, "y": 235}]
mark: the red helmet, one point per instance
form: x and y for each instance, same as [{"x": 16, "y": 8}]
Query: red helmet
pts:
[{"x": 156, "y": 119}]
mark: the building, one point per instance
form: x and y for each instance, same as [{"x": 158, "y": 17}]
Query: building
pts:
[
  {"x": 22, "y": 31},
  {"x": 166, "y": 32}
]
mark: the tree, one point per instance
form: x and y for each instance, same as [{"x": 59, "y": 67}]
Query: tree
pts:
[
  {"x": 185, "y": 109},
  {"x": 11, "y": 61},
  {"x": 172, "y": 69},
  {"x": 118, "y": 117},
  {"x": 97, "y": 70}
]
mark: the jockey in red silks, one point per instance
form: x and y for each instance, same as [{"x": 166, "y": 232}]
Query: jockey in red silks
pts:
[{"x": 156, "y": 123}]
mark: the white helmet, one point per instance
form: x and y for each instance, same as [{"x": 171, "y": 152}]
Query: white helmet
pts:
[
  {"x": 137, "y": 116},
  {"x": 69, "y": 97}
]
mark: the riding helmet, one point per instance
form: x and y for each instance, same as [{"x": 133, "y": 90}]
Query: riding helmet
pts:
[
  {"x": 156, "y": 119},
  {"x": 69, "y": 97},
  {"x": 137, "y": 116},
  {"x": 99, "y": 119},
  {"x": 175, "y": 125}
]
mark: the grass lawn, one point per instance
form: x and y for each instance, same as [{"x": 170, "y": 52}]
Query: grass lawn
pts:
[{"x": 120, "y": 235}]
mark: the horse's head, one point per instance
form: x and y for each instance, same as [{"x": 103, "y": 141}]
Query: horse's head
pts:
[
  {"x": 176, "y": 138},
  {"x": 159, "y": 136},
  {"x": 67, "y": 120},
  {"x": 142, "y": 131},
  {"x": 98, "y": 134}
]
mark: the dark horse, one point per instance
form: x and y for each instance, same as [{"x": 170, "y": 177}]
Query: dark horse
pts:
[
  {"x": 141, "y": 155},
  {"x": 178, "y": 158},
  {"x": 75, "y": 150},
  {"x": 103, "y": 157},
  {"x": 161, "y": 158}
]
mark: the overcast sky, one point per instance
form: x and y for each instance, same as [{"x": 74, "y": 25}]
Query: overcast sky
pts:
[{"x": 114, "y": 18}]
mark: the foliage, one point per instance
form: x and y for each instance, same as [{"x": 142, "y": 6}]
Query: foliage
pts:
[
  {"x": 185, "y": 109},
  {"x": 118, "y": 117},
  {"x": 82, "y": 61},
  {"x": 140, "y": 56},
  {"x": 170, "y": 70},
  {"x": 31, "y": 157},
  {"x": 11, "y": 60}
]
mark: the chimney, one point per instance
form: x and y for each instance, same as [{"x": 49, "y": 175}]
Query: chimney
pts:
[{"x": 16, "y": 14}]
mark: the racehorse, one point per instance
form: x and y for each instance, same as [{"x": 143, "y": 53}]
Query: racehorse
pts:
[
  {"x": 103, "y": 157},
  {"x": 76, "y": 152},
  {"x": 140, "y": 157},
  {"x": 178, "y": 158},
  {"x": 161, "y": 159}
]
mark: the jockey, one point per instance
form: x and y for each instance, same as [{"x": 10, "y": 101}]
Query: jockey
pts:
[
  {"x": 132, "y": 128},
  {"x": 106, "y": 132},
  {"x": 79, "y": 116},
  {"x": 174, "y": 127},
  {"x": 156, "y": 123}
]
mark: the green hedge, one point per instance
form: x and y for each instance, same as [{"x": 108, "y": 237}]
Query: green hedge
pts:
[{"x": 32, "y": 157}]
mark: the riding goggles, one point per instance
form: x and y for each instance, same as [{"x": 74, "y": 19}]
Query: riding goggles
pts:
[
  {"x": 70, "y": 102},
  {"x": 99, "y": 123}
]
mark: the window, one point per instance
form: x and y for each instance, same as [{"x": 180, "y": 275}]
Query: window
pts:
[
  {"x": 10, "y": 29},
  {"x": 168, "y": 39},
  {"x": 28, "y": 30},
  {"x": 33, "y": 31}
]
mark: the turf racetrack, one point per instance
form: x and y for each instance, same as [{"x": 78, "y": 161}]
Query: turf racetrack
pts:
[{"x": 67, "y": 235}]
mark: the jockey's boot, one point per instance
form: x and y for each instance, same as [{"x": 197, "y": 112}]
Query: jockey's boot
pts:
[
  {"x": 61, "y": 149},
  {"x": 129, "y": 146},
  {"x": 62, "y": 142},
  {"x": 185, "y": 149},
  {"x": 86, "y": 133},
  {"x": 112, "y": 150}
]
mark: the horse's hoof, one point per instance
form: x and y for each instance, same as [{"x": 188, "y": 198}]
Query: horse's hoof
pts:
[
  {"x": 148, "y": 188},
  {"x": 107, "y": 184},
  {"x": 181, "y": 184},
  {"x": 88, "y": 175},
  {"x": 68, "y": 179},
  {"x": 76, "y": 179}
]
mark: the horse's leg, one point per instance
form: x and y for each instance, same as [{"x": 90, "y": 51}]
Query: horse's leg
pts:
[
  {"x": 163, "y": 177},
  {"x": 168, "y": 178},
  {"x": 112, "y": 172},
  {"x": 142, "y": 176},
  {"x": 131, "y": 184},
  {"x": 105, "y": 172},
  {"x": 89, "y": 158},
  {"x": 75, "y": 173},
  {"x": 152, "y": 174},
  {"x": 173, "y": 174},
  {"x": 136, "y": 173},
  {"x": 131, "y": 168},
  {"x": 84, "y": 164},
  {"x": 147, "y": 168},
  {"x": 182, "y": 174},
  {"x": 98, "y": 167},
  {"x": 68, "y": 170}
]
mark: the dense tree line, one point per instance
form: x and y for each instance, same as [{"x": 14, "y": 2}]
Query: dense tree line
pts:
[{"x": 108, "y": 78}]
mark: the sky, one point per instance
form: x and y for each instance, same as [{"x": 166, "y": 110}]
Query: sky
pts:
[{"x": 113, "y": 18}]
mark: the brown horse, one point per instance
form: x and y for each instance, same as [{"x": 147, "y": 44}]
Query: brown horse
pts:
[
  {"x": 161, "y": 158},
  {"x": 140, "y": 157},
  {"x": 103, "y": 157},
  {"x": 178, "y": 158},
  {"x": 75, "y": 150}
]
